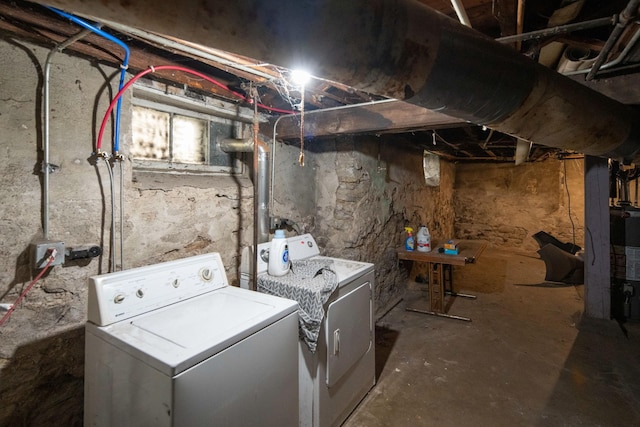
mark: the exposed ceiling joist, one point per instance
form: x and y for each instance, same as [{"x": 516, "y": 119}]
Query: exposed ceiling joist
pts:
[{"x": 494, "y": 18}]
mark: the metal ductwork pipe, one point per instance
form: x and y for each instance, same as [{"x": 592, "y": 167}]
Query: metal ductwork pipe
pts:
[
  {"x": 232, "y": 145},
  {"x": 400, "y": 49}
]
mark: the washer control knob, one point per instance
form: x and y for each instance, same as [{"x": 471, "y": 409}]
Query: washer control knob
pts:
[
  {"x": 118, "y": 298},
  {"x": 310, "y": 243},
  {"x": 139, "y": 293},
  {"x": 175, "y": 283},
  {"x": 206, "y": 274}
]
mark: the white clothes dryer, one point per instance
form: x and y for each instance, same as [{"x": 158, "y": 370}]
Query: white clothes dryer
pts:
[{"x": 340, "y": 373}]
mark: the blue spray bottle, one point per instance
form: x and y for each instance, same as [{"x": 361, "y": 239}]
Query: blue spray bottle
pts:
[{"x": 409, "y": 243}]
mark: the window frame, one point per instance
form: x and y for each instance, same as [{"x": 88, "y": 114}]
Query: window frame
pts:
[{"x": 210, "y": 110}]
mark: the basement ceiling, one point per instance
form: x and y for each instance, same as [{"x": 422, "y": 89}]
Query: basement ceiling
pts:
[{"x": 333, "y": 108}]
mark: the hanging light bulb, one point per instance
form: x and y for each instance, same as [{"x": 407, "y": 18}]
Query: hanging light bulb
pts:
[{"x": 300, "y": 77}]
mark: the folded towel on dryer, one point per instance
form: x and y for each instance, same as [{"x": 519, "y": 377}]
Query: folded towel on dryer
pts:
[{"x": 310, "y": 283}]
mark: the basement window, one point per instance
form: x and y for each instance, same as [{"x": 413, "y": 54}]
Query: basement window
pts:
[{"x": 177, "y": 134}]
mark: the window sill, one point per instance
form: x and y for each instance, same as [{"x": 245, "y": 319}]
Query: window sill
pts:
[{"x": 152, "y": 180}]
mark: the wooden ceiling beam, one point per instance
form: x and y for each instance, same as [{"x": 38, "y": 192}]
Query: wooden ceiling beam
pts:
[
  {"x": 49, "y": 32},
  {"x": 505, "y": 12}
]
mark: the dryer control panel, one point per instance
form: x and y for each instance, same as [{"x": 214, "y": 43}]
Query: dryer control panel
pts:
[
  {"x": 302, "y": 247},
  {"x": 123, "y": 294}
]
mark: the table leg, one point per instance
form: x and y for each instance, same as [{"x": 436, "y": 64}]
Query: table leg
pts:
[
  {"x": 448, "y": 283},
  {"x": 436, "y": 287},
  {"x": 440, "y": 282}
]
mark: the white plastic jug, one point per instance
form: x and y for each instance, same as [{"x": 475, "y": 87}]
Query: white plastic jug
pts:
[
  {"x": 278, "y": 255},
  {"x": 423, "y": 239}
]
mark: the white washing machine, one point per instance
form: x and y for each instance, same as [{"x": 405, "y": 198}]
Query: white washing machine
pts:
[
  {"x": 172, "y": 344},
  {"x": 340, "y": 373}
]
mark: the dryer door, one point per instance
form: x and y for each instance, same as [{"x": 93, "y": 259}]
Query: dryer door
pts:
[{"x": 349, "y": 331}]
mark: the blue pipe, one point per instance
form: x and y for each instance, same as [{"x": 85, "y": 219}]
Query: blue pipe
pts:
[{"x": 123, "y": 67}]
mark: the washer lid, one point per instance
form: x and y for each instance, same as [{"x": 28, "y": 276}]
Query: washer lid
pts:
[{"x": 179, "y": 336}]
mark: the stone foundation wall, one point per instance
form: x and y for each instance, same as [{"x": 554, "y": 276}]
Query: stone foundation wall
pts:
[
  {"x": 42, "y": 343},
  {"x": 367, "y": 190},
  {"x": 506, "y": 204},
  {"x": 355, "y": 194}
]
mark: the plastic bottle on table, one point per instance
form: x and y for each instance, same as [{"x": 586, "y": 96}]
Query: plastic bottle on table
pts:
[
  {"x": 424, "y": 239},
  {"x": 409, "y": 243}
]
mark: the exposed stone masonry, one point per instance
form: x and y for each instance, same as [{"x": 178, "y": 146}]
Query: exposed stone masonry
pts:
[{"x": 355, "y": 195}]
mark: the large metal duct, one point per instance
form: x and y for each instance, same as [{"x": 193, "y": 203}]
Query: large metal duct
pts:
[{"x": 401, "y": 49}]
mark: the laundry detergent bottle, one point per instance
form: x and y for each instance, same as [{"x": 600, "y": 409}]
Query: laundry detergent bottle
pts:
[
  {"x": 424, "y": 239},
  {"x": 409, "y": 243},
  {"x": 278, "y": 255}
]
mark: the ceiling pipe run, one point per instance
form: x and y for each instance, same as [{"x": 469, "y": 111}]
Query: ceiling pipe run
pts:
[
  {"x": 626, "y": 17},
  {"x": 400, "y": 49},
  {"x": 461, "y": 12},
  {"x": 560, "y": 29}
]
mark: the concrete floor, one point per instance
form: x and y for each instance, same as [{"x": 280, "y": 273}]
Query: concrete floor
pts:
[{"x": 527, "y": 358}]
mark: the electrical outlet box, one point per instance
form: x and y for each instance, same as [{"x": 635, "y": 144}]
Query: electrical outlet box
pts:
[
  {"x": 628, "y": 288},
  {"x": 40, "y": 253}
]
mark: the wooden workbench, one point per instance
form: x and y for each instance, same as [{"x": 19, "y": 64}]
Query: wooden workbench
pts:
[{"x": 441, "y": 274}]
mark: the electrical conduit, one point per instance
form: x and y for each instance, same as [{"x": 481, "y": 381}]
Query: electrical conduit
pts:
[
  {"x": 123, "y": 67},
  {"x": 116, "y": 135},
  {"x": 46, "y": 168}
]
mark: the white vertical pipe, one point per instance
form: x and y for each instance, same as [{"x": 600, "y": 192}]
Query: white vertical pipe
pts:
[
  {"x": 45, "y": 132},
  {"x": 121, "y": 161},
  {"x": 461, "y": 12}
]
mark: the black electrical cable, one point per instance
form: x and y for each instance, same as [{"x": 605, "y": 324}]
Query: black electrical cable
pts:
[{"x": 566, "y": 186}]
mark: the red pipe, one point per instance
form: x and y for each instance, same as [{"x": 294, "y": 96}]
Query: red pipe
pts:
[{"x": 153, "y": 69}]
